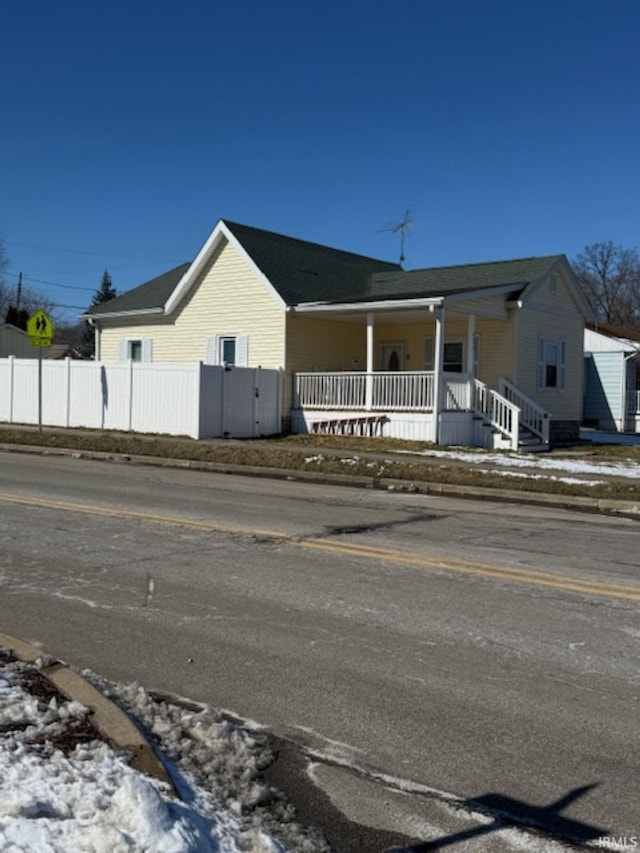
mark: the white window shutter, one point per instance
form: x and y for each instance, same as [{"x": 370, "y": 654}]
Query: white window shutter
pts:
[
  {"x": 242, "y": 351},
  {"x": 541, "y": 369},
  {"x": 561, "y": 365},
  {"x": 147, "y": 349},
  {"x": 123, "y": 350},
  {"x": 213, "y": 350}
]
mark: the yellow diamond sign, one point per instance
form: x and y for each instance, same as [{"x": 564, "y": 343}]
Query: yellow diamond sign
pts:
[{"x": 40, "y": 329}]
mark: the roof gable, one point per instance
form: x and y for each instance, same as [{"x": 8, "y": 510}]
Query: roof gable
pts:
[
  {"x": 302, "y": 271},
  {"x": 150, "y": 296}
]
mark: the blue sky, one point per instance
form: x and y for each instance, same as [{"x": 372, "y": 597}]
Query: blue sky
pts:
[{"x": 508, "y": 129}]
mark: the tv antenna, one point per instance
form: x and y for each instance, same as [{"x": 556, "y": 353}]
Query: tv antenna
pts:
[{"x": 404, "y": 227}]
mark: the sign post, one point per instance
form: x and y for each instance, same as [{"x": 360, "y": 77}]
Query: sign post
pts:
[{"x": 40, "y": 332}]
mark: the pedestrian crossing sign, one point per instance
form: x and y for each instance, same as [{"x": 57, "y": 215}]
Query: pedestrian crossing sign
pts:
[{"x": 40, "y": 329}]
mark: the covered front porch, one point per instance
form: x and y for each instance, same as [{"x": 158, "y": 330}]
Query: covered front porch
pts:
[
  {"x": 445, "y": 406},
  {"x": 402, "y": 405}
]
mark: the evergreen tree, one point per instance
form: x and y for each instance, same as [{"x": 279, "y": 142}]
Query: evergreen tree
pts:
[
  {"x": 104, "y": 293},
  {"x": 17, "y": 317}
]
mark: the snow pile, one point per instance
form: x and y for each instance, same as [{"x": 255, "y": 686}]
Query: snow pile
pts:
[
  {"x": 208, "y": 753},
  {"x": 62, "y": 793}
]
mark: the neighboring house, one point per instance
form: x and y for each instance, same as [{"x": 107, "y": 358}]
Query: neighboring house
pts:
[
  {"x": 483, "y": 354},
  {"x": 612, "y": 377},
  {"x": 62, "y": 350},
  {"x": 14, "y": 341}
]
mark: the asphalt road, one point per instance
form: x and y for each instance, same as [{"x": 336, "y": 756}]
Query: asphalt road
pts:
[{"x": 472, "y": 648}]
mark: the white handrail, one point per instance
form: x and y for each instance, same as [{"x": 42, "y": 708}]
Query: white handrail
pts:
[
  {"x": 533, "y": 416},
  {"x": 498, "y": 411}
]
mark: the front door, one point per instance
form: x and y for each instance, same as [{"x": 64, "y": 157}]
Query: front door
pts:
[{"x": 392, "y": 356}]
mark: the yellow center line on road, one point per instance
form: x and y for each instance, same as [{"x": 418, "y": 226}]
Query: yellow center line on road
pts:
[
  {"x": 488, "y": 570},
  {"x": 121, "y": 512},
  {"x": 346, "y": 548}
]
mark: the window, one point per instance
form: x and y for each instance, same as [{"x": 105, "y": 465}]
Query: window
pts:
[
  {"x": 452, "y": 359},
  {"x": 551, "y": 364},
  {"x": 136, "y": 350},
  {"x": 228, "y": 349},
  {"x": 453, "y": 356}
]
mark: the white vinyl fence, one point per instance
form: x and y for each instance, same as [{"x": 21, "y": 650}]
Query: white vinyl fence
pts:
[{"x": 194, "y": 399}]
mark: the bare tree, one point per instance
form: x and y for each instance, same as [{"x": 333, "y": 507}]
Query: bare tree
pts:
[{"x": 610, "y": 277}]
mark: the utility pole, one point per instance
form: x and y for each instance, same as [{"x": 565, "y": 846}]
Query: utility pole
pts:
[{"x": 19, "y": 293}]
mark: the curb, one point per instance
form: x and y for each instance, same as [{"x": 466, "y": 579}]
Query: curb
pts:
[
  {"x": 606, "y": 506},
  {"x": 115, "y": 726}
]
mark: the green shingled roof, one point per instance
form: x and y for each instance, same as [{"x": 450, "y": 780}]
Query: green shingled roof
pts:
[
  {"x": 308, "y": 272},
  {"x": 152, "y": 294},
  {"x": 304, "y": 272},
  {"x": 444, "y": 281}
]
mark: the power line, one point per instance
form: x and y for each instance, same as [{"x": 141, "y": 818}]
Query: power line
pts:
[
  {"x": 53, "y": 283},
  {"x": 83, "y": 252}
]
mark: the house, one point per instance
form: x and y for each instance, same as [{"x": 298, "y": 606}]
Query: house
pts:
[
  {"x": 14, "y": 341},
  {"x": 485, "y": 354},
  {"x": 612, "y": 377}
]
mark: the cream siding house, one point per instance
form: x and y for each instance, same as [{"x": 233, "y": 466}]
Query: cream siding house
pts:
[{"x": 487, "y": 354}]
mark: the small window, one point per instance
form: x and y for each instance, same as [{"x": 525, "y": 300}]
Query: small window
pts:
[
  {"x": 228, "y": 350},
  {"x": 135, "y": 350}
]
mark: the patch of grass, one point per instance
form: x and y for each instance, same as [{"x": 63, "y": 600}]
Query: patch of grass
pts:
[{"x": 373, "y": 458}]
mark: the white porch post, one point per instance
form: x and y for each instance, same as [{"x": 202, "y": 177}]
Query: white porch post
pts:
[
  {"x": 437, "y": 377},
  {"x": 368, "y": 399},
  {"x": 471, "y": 333}
]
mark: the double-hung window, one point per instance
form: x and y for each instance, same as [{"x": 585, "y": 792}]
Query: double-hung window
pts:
[{"x": 551, "y": 363}]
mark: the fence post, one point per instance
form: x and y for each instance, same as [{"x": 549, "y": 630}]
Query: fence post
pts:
[
  {"x": 198, "y": 430},
  {"x": 12, "y": 359},
  {"x": 130, "y": 393},
  {"x": 67, "y": 416}
]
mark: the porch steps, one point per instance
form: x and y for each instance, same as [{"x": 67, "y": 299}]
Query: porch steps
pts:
[
  {"x": 528, "y": 442},
  {"x": 368, "y": 425}
]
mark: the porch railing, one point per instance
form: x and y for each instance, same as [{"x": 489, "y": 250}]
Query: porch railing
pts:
[
  {"x": 532, "y": 416},
  {"x": 497, "y": 410},
  {"x": 633, "y": 402},
  {"x": 394, "y": 390}
]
